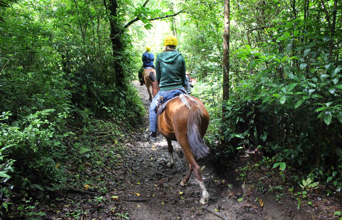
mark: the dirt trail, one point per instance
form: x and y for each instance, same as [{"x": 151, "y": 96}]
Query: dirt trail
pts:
[
  {"x": 152, "y": 191},
  {"x": 139, "y": 186}
]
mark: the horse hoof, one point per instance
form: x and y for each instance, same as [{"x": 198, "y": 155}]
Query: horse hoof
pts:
[
  {"x": 205, "y": 197},
  {"x": 204, "y": 201},
  {"x": 169, "y": 165}
]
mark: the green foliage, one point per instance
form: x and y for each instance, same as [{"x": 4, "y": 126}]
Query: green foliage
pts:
[
  {"x": 32, "y": 140},
  {"x": 201, "y": 37},
  {"x": 57, "y": 76},
  {"x": 210, "y": 91},
  {"x": 285, "y": 80},
  {"x": 289, "y": 103},
  {"x": 308, "y": 184}
]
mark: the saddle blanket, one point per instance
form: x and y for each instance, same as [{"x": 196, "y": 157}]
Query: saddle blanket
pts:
[{"x": 162, "y": 102}]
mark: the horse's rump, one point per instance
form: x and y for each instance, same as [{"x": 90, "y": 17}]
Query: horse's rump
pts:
[
  {"x": 177, "y": 120},
  {"x": 149, "y": 77}
]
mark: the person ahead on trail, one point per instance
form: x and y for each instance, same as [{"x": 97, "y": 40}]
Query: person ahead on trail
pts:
[
  {"x": 170, "y": 70},
  {"x": 147, "y": 59}
]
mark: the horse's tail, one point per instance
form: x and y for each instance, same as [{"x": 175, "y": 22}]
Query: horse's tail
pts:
[
  {"x": 198, "y": 147},
  {"x": 152, "y": 77}
]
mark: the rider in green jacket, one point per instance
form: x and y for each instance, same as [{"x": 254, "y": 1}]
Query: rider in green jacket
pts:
[{"x": 170, "y": 70}]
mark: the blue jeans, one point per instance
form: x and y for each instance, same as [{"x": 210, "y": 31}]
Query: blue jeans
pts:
[{"x": 152, "y": 114}]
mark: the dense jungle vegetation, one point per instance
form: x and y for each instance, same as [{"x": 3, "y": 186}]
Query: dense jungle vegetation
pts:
[{"x": 66, "y": 68}]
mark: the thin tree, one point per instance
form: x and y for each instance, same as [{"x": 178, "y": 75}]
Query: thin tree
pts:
[{"x": 226, "y": 35}]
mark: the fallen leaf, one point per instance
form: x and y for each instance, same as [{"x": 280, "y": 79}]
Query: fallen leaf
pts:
[
  {"x": 203, "y": 168},
  {"x": 137, "y": 194},
  {"x": 181, "y": 193},
  {"x": 86, "y": 186},
  {"x": 261, "y": 203},
  {"x": 138, "y": 206},
  {"x": 115, "y": 141},
  {"x": 115, "y": 198},
  {"x": 57, "y": 165}
]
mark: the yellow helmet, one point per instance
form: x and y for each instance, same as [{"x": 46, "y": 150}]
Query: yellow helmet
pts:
[
  {"x": 170, "y": 40},
  {"x": 148, "y": 48}
]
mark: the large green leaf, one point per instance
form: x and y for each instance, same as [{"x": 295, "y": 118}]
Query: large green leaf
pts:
[
  {"x": 337, "y": 70},
  {"x": 299, "y": 103},
  {"x": 3, "y": 174},
  {"x": 291, "y": 87},
  {"x": 303, "y": 65},
  {"x": 282, "y": 100},
  {"x": 281, "y": 165},
  {"x": 327, "y": 117},
  {"x": 306, "y": 52},
  {"x": 339, "y": 116}
]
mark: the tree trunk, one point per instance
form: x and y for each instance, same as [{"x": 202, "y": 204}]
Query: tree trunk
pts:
[
  {"x": 117, "y": 47},
  {"x": 226, "y": 36}
]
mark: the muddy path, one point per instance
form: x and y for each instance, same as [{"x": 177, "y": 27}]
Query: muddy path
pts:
[{"x": 152, "y": 191}]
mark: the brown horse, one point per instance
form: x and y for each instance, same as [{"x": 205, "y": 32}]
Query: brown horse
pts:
[
  {"x": 146, "y": 74},
  {"x": 186, "y": 124}
]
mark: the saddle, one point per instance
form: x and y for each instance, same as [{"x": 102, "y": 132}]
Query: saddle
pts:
[{"x": 178, "y": 93}]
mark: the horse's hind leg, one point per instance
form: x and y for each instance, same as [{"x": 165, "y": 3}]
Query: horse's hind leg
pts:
[
  {"x": 147, "y": 83},
  {"x": 193, "y": 166},
  {"x": 186, "y": 178},
  {"x": 170, "y": 148}
]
